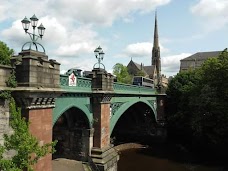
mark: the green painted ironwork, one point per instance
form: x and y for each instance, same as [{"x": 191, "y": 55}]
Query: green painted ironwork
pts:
[
  {"x": 64, "y": 103},
  {"x": 121, "y": 88},
  {"x": 126, "y": 105},
  {"x": 125, "y": 95},
  {"x": 84, "y": 85},
  {"x": 115, "y": 106}
]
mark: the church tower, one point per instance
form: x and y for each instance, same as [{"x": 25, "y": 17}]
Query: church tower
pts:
[{"x": 156, "y": 59}]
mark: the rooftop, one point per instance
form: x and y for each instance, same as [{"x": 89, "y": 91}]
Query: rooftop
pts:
[{"x": 202, "y": 55}]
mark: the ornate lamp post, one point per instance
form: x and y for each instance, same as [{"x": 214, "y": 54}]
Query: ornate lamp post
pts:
[
  {"x": 26, "y": 23},
  {"x": 99, "y": 54}
]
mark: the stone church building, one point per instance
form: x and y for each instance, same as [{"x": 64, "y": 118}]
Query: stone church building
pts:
[{"x": 152, "y": 71}]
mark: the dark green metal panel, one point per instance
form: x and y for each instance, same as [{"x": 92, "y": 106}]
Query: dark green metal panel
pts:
[
  {"x": 127, "y": 103},
  {"x": 62, "y": 104},
  {"x": 78, "y": 96}
]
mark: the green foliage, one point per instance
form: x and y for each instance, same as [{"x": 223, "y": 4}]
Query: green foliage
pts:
[
  {"x": 197, "y": 104},
  {"x": 140, "y": 73},
  {"x": 5, "y": 54},
  {"x": 178, "y": 111},
  {"x": 6, "y": 94},
  {"x": 27, "y": 147},
  {"x": 122, "y": 74},
  {"x": 11, "y": 82},
  {"x": 210, "y": 115}
]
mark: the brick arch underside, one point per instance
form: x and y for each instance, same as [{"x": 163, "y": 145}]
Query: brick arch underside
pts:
[
  {"x": 64, "y": 104},
  {"x": 124, "y": 108}
]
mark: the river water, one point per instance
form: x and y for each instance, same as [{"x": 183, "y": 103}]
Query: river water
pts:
[{"x": 158, "y": 159}]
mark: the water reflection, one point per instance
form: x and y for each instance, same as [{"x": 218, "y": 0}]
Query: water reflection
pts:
[{"x": 144, "y": 160}]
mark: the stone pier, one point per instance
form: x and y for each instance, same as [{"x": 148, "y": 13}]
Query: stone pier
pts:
[
  {"x": 103, "y": 154},
  {"x": 38, "y": 86}
]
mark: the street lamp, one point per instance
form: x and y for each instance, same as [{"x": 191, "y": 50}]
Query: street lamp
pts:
[
  {"x": 26, "y": 23},
  {"x": 99, "y": 54}
]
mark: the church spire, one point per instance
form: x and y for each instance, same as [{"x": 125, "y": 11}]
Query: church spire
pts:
[
  {"x": 156, "y": 45},
  {"x": 156, "y": 59}
]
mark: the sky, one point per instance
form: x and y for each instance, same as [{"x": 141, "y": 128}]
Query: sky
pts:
[{"x": 123, "y": 28}]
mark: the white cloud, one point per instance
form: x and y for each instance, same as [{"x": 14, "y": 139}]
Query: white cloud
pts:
[
  {"x": 103, "y": 12},
  {"x": 213, "y": 12},
  {"x": 14, "y": 36},
  {"x": 141, "y": 49},
  {"x": 79, "y": 41},
  {"x": 171, "y": 64},
  {"x": 71, "y": 26}
]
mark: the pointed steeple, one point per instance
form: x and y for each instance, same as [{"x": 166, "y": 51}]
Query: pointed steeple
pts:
[
  {"x": 156, "y": 45},
  {"x": 156, "y": 59}
]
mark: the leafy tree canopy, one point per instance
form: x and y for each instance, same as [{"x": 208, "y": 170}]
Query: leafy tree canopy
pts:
[
  {"x": 5, "y": 54},
  {"x": 197, "y": 103},
  {"x": 122, "y": 74}
]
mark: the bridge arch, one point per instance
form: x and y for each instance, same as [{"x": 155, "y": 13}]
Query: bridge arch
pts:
[
  {"x": 64, "y": 104},
  {"x": 72, "y": 128},
  {"x": 123, "y": 108}
]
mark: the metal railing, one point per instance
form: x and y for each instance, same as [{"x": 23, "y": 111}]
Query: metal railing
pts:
[{"x": 84, "y": 85}]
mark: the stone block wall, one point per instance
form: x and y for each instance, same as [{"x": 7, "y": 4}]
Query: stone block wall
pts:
[
  {"x": 4, "y": 119},
  {"x": 101, "y": 80},
  {"x": 73, "y": 143},
  {"x": 33, "y": 69},
  {"x": 5, "y": 72},
  {"x": 41, "y": 127}
]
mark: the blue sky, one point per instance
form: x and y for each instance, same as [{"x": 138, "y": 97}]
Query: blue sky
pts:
[{"x": 123, "y": 28}]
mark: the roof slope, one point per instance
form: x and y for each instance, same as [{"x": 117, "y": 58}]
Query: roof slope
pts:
[
  {"x": 202, "y": 55},
  {"x": 149, "y": 69}
]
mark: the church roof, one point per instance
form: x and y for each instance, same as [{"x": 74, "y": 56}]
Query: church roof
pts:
[
  {"x": 149, "y": 69},
  {"x": 202, "y": 56},
  {"x": 137, "y": 65}
]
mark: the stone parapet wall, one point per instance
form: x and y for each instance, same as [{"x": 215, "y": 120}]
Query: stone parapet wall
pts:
[
  {"x": 33, "y": 69},
  {"x": 5, "y": 72}
]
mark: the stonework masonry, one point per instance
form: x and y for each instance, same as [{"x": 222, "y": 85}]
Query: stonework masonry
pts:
[
  {"x": 33, "y": 69},
  {"x": 5, "y": 72},
  {"x": 4, "y": 118},
  {"x": 41, "y": 127},
  {"x": 38, "y": 86},
  {"x": 103, "y": 154}
]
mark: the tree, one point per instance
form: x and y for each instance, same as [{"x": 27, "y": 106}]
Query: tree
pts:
[
  {"x": 122, "y": 74},
  {"x": 197, "y": 105},
  {"x": 27, "y": 148},
  {"x": 210, "y": 115},
  {"x": 5, "y": 54},
  {"x": 178, "y": 111}
]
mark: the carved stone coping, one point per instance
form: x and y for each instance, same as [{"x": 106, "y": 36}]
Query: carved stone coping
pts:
[{"x": 31, "y": 98}]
